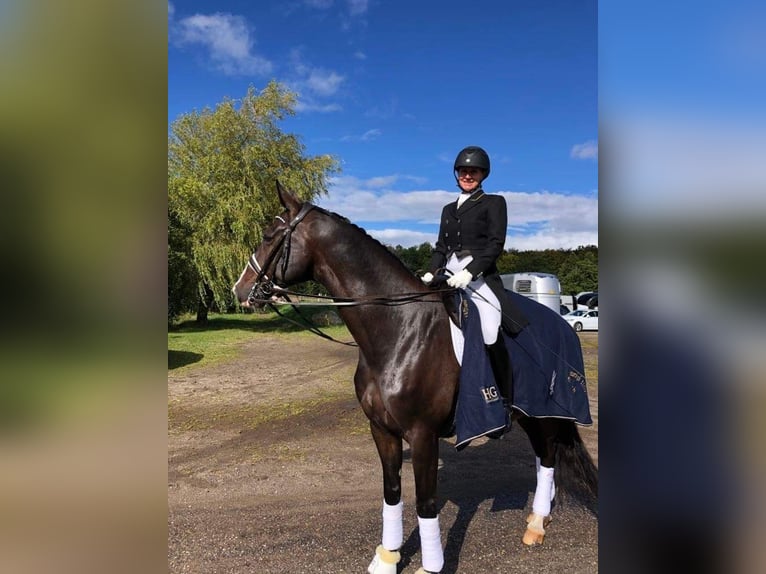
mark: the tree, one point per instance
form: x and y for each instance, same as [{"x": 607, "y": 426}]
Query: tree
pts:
[
  {"x": 579, "y": 272},
  {"x": 182, "y": 277},
  {"x": 416, "y": 259},
  {"x": 222, "y": 169}
]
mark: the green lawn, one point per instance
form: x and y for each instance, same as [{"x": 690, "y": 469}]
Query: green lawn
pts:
[{"x": 190, "y": 344}]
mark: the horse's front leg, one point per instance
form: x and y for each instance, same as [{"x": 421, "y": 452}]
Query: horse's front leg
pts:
[
  {"x": 390, "y": 451},
  {"x": 425, "y": 464}
]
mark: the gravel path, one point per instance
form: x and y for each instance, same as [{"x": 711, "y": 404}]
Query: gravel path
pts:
[{"x": 271, "y": 469}]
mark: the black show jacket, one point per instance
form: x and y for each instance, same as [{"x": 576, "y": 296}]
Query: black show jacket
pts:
[{"x": 478, "y": 227}]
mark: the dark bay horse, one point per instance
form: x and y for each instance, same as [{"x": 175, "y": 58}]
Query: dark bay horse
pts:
[{"x": 407, "y": 375}]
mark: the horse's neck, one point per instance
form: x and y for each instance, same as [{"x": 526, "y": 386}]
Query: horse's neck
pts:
[
  {"x": 353, "y": 265},
  {"x": 358, "y": 267}
]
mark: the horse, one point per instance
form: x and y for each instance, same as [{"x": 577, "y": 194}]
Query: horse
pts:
[{"x": 407, "y": 375}]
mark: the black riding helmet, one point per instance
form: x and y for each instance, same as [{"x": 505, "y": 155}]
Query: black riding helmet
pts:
[{"x": 472, "y": 156}]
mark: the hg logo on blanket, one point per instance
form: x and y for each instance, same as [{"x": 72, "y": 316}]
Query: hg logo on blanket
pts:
[{"x": 490, "y": 394}]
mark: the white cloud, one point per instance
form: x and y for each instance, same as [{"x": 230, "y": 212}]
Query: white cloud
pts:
[
  {"x": 227, "y": 39},
  {"x": 550, "y": 240},
  {"x": 312, "y": 84},
  {"x": 357, "y": 7},
  {"x": 309, "y": 105},
  {"x": 537, "y": 220},
  {"x": 369, "y": 135},
  {"x": 319, "y": 4},
  {"x": 667, "y": 165},
  {"x": 403, "y": 237},
  {"x": 382, "y": 181},
  {"x": 586, "y": 150},
  {"x": 323, "y": 82},
  {"x": 359, "y": 55}
]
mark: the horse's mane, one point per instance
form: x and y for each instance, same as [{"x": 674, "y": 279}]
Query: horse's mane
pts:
[{"x": 377, "y": 244}]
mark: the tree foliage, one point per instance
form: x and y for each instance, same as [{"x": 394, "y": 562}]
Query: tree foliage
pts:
[
  {"x": 182, "y": 276},
  {"x": 576, "y": 269},
  {"x": 222, "y": 169}
]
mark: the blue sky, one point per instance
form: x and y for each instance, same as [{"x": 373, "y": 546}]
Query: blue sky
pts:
[
  {"x": 395, "y": 89},
  {"x": 681, "y": 96}
]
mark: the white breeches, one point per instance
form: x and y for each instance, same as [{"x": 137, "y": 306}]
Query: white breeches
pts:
[{"x": 484, "y": 299}]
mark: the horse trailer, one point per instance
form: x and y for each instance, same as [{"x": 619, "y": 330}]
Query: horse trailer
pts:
[{"x": 541, "y": 287}]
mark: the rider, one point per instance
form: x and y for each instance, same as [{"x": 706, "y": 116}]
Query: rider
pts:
[{"x": 471, "y": 238}]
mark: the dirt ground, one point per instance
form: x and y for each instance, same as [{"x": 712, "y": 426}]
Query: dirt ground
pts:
[{"x": 271, "y": 469}]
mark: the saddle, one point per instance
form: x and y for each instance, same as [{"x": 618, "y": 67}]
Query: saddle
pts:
[{"x": 513, "y": 318}]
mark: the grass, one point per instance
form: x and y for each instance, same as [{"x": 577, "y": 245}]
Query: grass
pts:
[
  {"x": 220, "y": 340},
  {"x": 248, "y": 416}
]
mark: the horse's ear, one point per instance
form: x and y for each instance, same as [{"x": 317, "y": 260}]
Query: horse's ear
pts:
[{"x": 288, "y": 200}]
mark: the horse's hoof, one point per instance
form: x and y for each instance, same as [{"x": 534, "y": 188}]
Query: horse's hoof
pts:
[
  {"x": 532, "y": 538},
  {"x": 384, "y": 562},
  {"x": 535, "y": 533}
]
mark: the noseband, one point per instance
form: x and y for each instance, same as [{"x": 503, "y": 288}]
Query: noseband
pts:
[{"x": 263, "y": 287}]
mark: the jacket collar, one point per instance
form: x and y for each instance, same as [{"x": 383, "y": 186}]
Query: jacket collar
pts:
[{"x": 472, "y": 201}]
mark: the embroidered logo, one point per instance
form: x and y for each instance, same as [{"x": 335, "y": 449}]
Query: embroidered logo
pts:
[
  {"x": 490, "y": 394},
  {"x": 553, "y": 384}
]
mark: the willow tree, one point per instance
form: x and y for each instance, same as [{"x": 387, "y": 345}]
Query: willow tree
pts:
[{"x": 222, "y": 169}]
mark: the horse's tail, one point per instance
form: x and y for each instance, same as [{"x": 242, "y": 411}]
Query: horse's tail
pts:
[{"x": 575, "y": 470}]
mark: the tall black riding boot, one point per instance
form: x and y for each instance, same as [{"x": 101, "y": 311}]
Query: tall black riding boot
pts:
[{"x": 501, "y": 368}]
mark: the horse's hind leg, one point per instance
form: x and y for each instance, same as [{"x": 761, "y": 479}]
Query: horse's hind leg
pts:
[
  {"x": 390, "y": 451},
  {"x": 542, "y": 433}
]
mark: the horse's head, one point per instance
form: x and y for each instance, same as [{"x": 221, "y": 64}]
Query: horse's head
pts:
[{"x": 281, "y": 259}]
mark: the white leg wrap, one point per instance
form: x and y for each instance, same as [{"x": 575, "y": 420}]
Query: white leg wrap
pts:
[
  {"x": 431, "y": 544},
  {"x": 544, "y": 492},
  {"x": 553, "y": 486},
  {"x": 393, "y": 529}
]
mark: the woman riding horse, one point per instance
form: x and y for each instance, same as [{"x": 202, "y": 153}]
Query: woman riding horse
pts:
[
  {"x": 471, "y": 239},
  {"x": 407, "y": 376}
]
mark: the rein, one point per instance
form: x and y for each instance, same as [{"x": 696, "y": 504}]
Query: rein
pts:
[
  {"x": 330, "y": 301},
  {"x": 400, "y": 299}
]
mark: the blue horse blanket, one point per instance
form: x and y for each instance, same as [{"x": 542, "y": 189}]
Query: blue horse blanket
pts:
[{"x": 548, "y": 372}]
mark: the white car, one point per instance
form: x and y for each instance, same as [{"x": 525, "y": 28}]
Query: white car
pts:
[{"x": 582, "y": 319}]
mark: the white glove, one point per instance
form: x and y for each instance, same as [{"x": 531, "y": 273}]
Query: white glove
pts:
[
  {"x": 427, "y": 278},
  {"x": 460, "y": 280}
]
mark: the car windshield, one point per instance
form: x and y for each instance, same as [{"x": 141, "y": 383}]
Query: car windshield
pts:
[{"x": 577, "y": 313}]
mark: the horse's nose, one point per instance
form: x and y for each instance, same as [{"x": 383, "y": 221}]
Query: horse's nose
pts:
[{"x": 244, "y": 303}]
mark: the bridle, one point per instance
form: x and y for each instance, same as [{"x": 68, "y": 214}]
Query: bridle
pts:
[{"x": 263, "y": 286}]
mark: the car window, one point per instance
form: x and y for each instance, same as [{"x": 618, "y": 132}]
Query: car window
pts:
[{"x": 585, "y": 297}]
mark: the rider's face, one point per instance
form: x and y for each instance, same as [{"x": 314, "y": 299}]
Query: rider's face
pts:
[{"x": 469, "y": 178}]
